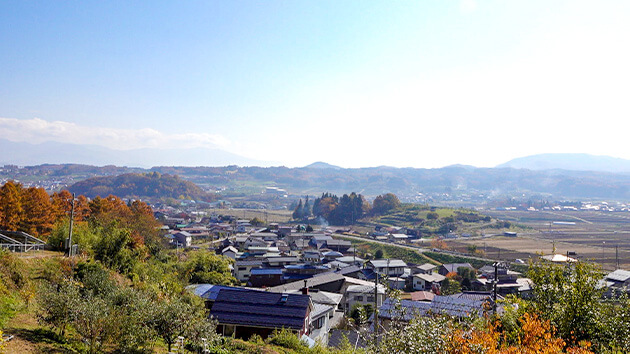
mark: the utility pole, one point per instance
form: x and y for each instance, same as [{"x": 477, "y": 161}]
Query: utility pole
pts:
[
  {"x": 376, "y": 310},
  {"x": 70, "y": 232},
  {"x": 494, "y": 283},
  {"x": 617, "y": 257}
]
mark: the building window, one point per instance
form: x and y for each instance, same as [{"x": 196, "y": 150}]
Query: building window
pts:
[
  {"x": 370, "y": 299},
  {"x": 358, "y": 298},
  {"x": 319, "y": 322}
]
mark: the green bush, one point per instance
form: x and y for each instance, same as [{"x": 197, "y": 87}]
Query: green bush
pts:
[{"x": 285, "y": 338}]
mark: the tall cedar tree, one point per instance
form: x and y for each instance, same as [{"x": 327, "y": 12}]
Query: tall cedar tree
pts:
[{"x": 298, "y": 213}]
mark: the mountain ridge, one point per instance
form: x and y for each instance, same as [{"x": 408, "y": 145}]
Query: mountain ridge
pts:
[{"x": 570, "y": 162}]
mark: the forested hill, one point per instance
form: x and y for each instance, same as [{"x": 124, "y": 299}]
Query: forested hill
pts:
[{"x": 140, "y": 185}]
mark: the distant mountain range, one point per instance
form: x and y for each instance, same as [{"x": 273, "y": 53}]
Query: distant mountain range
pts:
[
  {"x": 570, "y": 162},
  {"x": 25, "y": 154},
  {"x": 547, "y": 175},
  {"x": 323, "y": 165}
]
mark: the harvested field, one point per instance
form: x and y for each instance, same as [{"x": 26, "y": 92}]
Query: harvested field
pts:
[{"x": 593, "y": 235}]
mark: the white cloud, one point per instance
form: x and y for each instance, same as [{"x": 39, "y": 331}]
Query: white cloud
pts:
[{"x": 37, "y": 130}]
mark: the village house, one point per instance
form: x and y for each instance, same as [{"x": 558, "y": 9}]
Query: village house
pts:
[
  {"x": 243, "y": 268},
  {"x": 363, "y": 295},
  {"x": 243, "y": 313},
  {"x": 426, "y": 282},
  {"x": 426, "y": 268},
  {"x": 389, "y": 267}
]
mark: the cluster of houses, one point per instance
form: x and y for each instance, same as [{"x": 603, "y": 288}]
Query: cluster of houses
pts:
[{"x": 308, "y": 281}]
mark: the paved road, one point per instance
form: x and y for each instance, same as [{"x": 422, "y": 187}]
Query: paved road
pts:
[{"x": 419, "y": 249}]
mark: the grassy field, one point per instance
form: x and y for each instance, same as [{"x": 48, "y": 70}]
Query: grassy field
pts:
[
  {"x": 279, "y": 216},
  {"x": 390, "y": 251}
]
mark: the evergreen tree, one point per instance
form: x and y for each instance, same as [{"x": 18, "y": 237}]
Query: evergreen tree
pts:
[
  {"x": 307, "y": 209},
  {"x": 298, "y": 213}
]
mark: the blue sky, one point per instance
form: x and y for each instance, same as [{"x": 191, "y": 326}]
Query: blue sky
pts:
[{"x": 353, "y": 83}]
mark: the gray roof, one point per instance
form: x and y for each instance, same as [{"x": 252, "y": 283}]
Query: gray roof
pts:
[
  {"x": 319, "y": 309},
  {"x": 434, "y": 278},
  {"x": 619, "y": 275},
  {"x": 335, "y": 242},
  {"x": 349, "y": 259},
  {"x": 282, "y": 259},
  {"x": 383, "y": 263},
  {"x": 248, "y": 263},
  {"x": 427, "y": 266},
  {"x": 310, "y": 282},
  {"x": 365, "y": 289}
]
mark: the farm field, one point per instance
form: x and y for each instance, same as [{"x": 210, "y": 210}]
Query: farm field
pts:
[
  {"x": 279, "y": 216},
  {"x": 593, "y": 235}
]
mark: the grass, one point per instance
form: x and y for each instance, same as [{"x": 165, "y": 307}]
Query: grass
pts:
[
  {"x": 278, "y": 216},
  {"x": 407, "y": 255}
]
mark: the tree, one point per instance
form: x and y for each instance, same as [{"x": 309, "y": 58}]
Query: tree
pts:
[
  {"x": 256, "y": 222},
  {"x": 325, "y": 205},
  {"x": 82, "y": 234},
  {"x": 308, "y": 209},
  {"x": 351, "y": 208},
  {"x": 133, "y": 311},
  {"x": 11, "y": 210},
  {"x": 568, "y": 296},
  {"x": 61, "y": 204},
  {"x": 113, "y": 248},
  {"x": 298, "y": 213},
  {"x": 205, "y": 267},
  {"x": 92, "y": 320},
  {"x": 450, "y": 286},
  {"x": 38, "y": 217},
  {"x": 384, "y": 203},
  {"x": 378, "y": 254},
  {"x": 57, "y": 302},
  {"x": 172, "y": 319}
]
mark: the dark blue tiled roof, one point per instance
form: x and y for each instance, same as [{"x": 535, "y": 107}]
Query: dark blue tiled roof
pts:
[
  {"x": 289, "y": 277},
  {"x": 260, "y": 309},
  {"x": 210, "y": 291}
]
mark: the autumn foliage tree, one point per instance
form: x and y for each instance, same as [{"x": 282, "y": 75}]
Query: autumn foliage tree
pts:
[
  {"x": 11, "y": 210},
  {"x": 341, "y": 211},
  {"x": 384, "y": 203},
  {"x": 38, "y": 218}
]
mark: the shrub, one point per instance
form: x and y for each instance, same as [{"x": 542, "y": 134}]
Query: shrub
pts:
[{"x": 285, "y": 338}]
